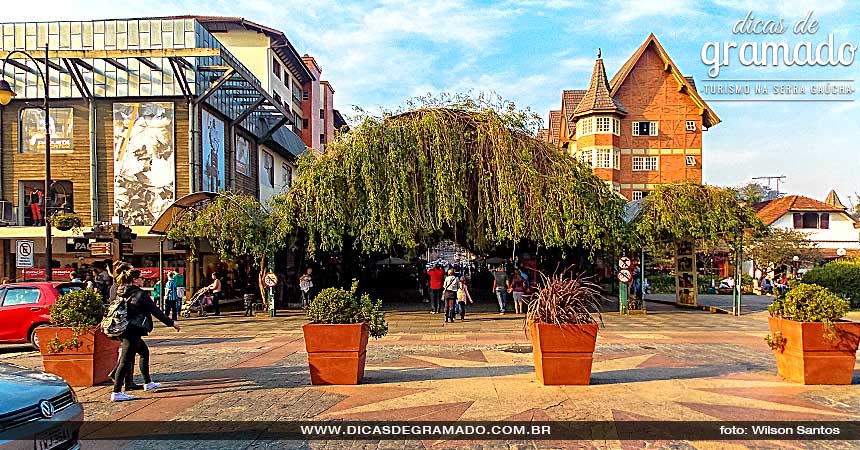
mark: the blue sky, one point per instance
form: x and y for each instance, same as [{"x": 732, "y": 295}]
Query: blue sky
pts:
[{"x": 378, "y": 54}]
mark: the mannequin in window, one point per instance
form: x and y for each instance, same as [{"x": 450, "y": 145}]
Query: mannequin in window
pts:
[{"x": 36, "y": 199}]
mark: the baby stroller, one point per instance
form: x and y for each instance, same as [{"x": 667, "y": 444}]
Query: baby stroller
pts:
[{"x": 197, "y": 303}]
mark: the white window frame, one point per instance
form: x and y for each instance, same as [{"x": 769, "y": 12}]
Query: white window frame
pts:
[
  {"x": 616, "y": 159},
  {"x": 616, "y": 126},
  {"x": 604, "y": 124},
  {"x": 691, "y": 125},
  {"x": 690, "y": 161},
  {"x": 645, "y": 163},
  {"x": 603, "y": 158},
  {"x": 652, "y": 128},
  {"x": 585, "y": 157}
]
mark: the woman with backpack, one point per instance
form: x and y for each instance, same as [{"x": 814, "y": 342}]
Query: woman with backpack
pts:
[
  {"x": 140, "y": 309},
  {"x": 451, "y": 286}
]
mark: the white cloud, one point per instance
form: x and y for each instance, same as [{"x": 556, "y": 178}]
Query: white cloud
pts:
[{"x": 788, "y": 9}]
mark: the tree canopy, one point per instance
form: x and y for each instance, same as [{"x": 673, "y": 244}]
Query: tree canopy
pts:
[
  {"x": 690, "y": 211},
  {"x": 466, "y": 171},
  {"x": 779, "y": 246}
]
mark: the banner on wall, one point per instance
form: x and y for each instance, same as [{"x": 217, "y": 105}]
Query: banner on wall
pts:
[
  {"x": 33, "y": 130},
  {"x": 686, "y": 281},
  {"x": 143, "y": 161},
  {"x": 213, "y": 153},
  {"x": 243, "y": 156}
]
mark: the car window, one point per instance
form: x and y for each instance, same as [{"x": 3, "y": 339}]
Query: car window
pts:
[
  {"x": 64, "y": 289},
  {"x": 21, "y": 296}
]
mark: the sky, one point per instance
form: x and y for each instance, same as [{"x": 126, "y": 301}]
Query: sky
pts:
[{"x": 379, "y": 54}]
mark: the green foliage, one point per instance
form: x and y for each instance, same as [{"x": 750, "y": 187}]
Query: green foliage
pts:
[
  {"x": 465, "y": 169},
  {"x": 66, "y": 221},
  {"x": 236, "y": 225},
  {"x": 661, "y": 284},
  {"x": 810, "y": 303},
  {"x": 778, "y": 246},
  {"x": 79, "y": 310},
  {"x": 338, "y": 306},
  {"x": 841, "y": 277},
  {"x": 686, "y": 210},
  {"x": 775, "y": 342}
]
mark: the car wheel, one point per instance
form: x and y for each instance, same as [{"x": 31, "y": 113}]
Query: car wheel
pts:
[{"x": 34, "y": 339}]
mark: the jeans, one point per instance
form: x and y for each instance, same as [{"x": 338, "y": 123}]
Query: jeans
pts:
[
  {"x": 461, "y": 309},
  {"x": 129, "y": 346},
  {"x": 436, "y": 299},
  {"x": 502, "y": 297},
  {"x": 450, "y": 307},
  {"x": 172, "y": 307},
  {"x": 216, "y": 300},
  {"x": 306, "y": 299}
]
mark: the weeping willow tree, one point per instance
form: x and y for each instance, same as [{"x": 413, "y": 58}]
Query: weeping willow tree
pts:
[
  {"x": 710, "y": 215},
  {"x": 466, "y": 171}
]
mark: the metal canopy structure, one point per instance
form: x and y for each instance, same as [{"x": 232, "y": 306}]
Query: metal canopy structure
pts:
[
  {"x": 171, "y": 57},
  {"x": 162, "y": 224}
]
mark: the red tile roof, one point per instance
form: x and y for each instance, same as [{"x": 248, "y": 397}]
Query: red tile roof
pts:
[
  {"x": 554, "y": 126},
  {"x": 597, "y": 97},
  {"x": 772, "y": 210}
]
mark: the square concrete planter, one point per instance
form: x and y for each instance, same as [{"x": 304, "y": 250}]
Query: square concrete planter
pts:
[
  {"x": 563, "y": 355},
  {"x": 807, "y": 357},
  {"x": 87, "y": 365},
  {"x": 336, "y": 353}
]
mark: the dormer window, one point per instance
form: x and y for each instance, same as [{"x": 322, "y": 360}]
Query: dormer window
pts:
[{"x": 811, "y": 221}]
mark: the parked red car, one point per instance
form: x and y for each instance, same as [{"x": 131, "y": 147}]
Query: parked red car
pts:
[{"x": 24, "y": 307}]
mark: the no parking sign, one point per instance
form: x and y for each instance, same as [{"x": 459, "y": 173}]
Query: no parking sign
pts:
[{"x": 24, "y": 254}]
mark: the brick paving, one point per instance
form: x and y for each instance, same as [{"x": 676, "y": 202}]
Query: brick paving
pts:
[{"x": 670, "y": 364}]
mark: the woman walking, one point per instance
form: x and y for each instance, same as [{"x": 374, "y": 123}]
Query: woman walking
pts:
[
  {"x": 140, "y": 308},
  {"x": 463, "y": 297},
  {"x": 215, "y": 287},
  {"x": 451, "y": 286},
  {"x": 518, "y": 288}
]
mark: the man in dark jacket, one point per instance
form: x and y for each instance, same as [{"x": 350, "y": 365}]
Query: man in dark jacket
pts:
[{"x": 140, "y": 308}]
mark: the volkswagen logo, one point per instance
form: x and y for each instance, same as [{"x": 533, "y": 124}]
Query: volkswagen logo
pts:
[{"x": 47, "y": 409}]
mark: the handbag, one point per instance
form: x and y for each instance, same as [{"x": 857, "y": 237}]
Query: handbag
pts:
[{"x": 141, "y": 321}]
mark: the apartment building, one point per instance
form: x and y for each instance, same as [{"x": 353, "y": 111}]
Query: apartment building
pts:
[{"x": 641, "y": 128}]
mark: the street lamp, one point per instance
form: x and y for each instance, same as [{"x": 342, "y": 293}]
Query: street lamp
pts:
[{"x": 6, "y": 94}]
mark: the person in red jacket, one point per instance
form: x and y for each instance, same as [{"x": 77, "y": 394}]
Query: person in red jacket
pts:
[{"x": 436, "y": 275}]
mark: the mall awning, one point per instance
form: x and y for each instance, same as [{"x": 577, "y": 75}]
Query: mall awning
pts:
[{"x": 195, "y": 199}]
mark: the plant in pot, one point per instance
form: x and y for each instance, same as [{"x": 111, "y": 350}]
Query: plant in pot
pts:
[
  {"x": 336, "y": 338},
  {"x": 66, "y": 221},
  {"x": 562, "y": 328},
  {"x": 812, "y": 345},
  {"x": 74, "y": 346}
]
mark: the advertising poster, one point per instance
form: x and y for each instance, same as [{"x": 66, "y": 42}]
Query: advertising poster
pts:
[
  {"x": 143, "y": 161},
  {"x": 686, "y": 283},
  {"x": 243, "y": 156},
  {"x": 213, "y": 153},
  {"x": 33, "y": 130}
]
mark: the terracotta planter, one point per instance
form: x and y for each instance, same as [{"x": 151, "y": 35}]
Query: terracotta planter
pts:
[
  {"x": 88, "y": 365},
  {"x": 808, "y": 358},
  {"x": 336, "y": 353},
  {"x": 563, "y": 355}
]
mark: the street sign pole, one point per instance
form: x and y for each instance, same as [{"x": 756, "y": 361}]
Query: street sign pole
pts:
[{"x": 622, "y": 297}]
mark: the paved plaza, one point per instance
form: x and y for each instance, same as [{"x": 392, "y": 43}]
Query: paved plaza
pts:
[{"x": 670, "y": 364}]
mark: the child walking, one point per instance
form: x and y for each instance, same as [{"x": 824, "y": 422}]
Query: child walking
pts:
[{"x": 463, "y": 297}]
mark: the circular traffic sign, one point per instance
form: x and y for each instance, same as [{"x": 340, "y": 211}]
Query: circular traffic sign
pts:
[
  {"x": 624, "y": 276},
  {"x": 270, "y": 280},
  {"x": 25, "y": 248},
  {"x": 841, "y": 252},
  {"x": 624, "y": 263}
]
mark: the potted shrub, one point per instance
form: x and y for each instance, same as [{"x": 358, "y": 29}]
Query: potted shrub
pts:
[
  {"x": 336, "y": 338},
  {"x": 812, "y": 345},
  {"x": 563, "y": 330},
  {"x": 74, "y": 346},
  {"x": 65, "y": 221}
]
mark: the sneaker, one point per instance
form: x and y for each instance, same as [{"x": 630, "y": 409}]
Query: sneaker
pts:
[
  {"x": 151, "y": 386},
  {"x": 501, "y": 313},
  {"x": 120, "y": 397}
]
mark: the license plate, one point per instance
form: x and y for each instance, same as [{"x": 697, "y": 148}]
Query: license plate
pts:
[{"x": 53, "y": 438}]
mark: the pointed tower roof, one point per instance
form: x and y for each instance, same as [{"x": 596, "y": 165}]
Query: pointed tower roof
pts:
[
  {"x": 833, "y": 199},
  {"x": 597, "y": 97}
]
